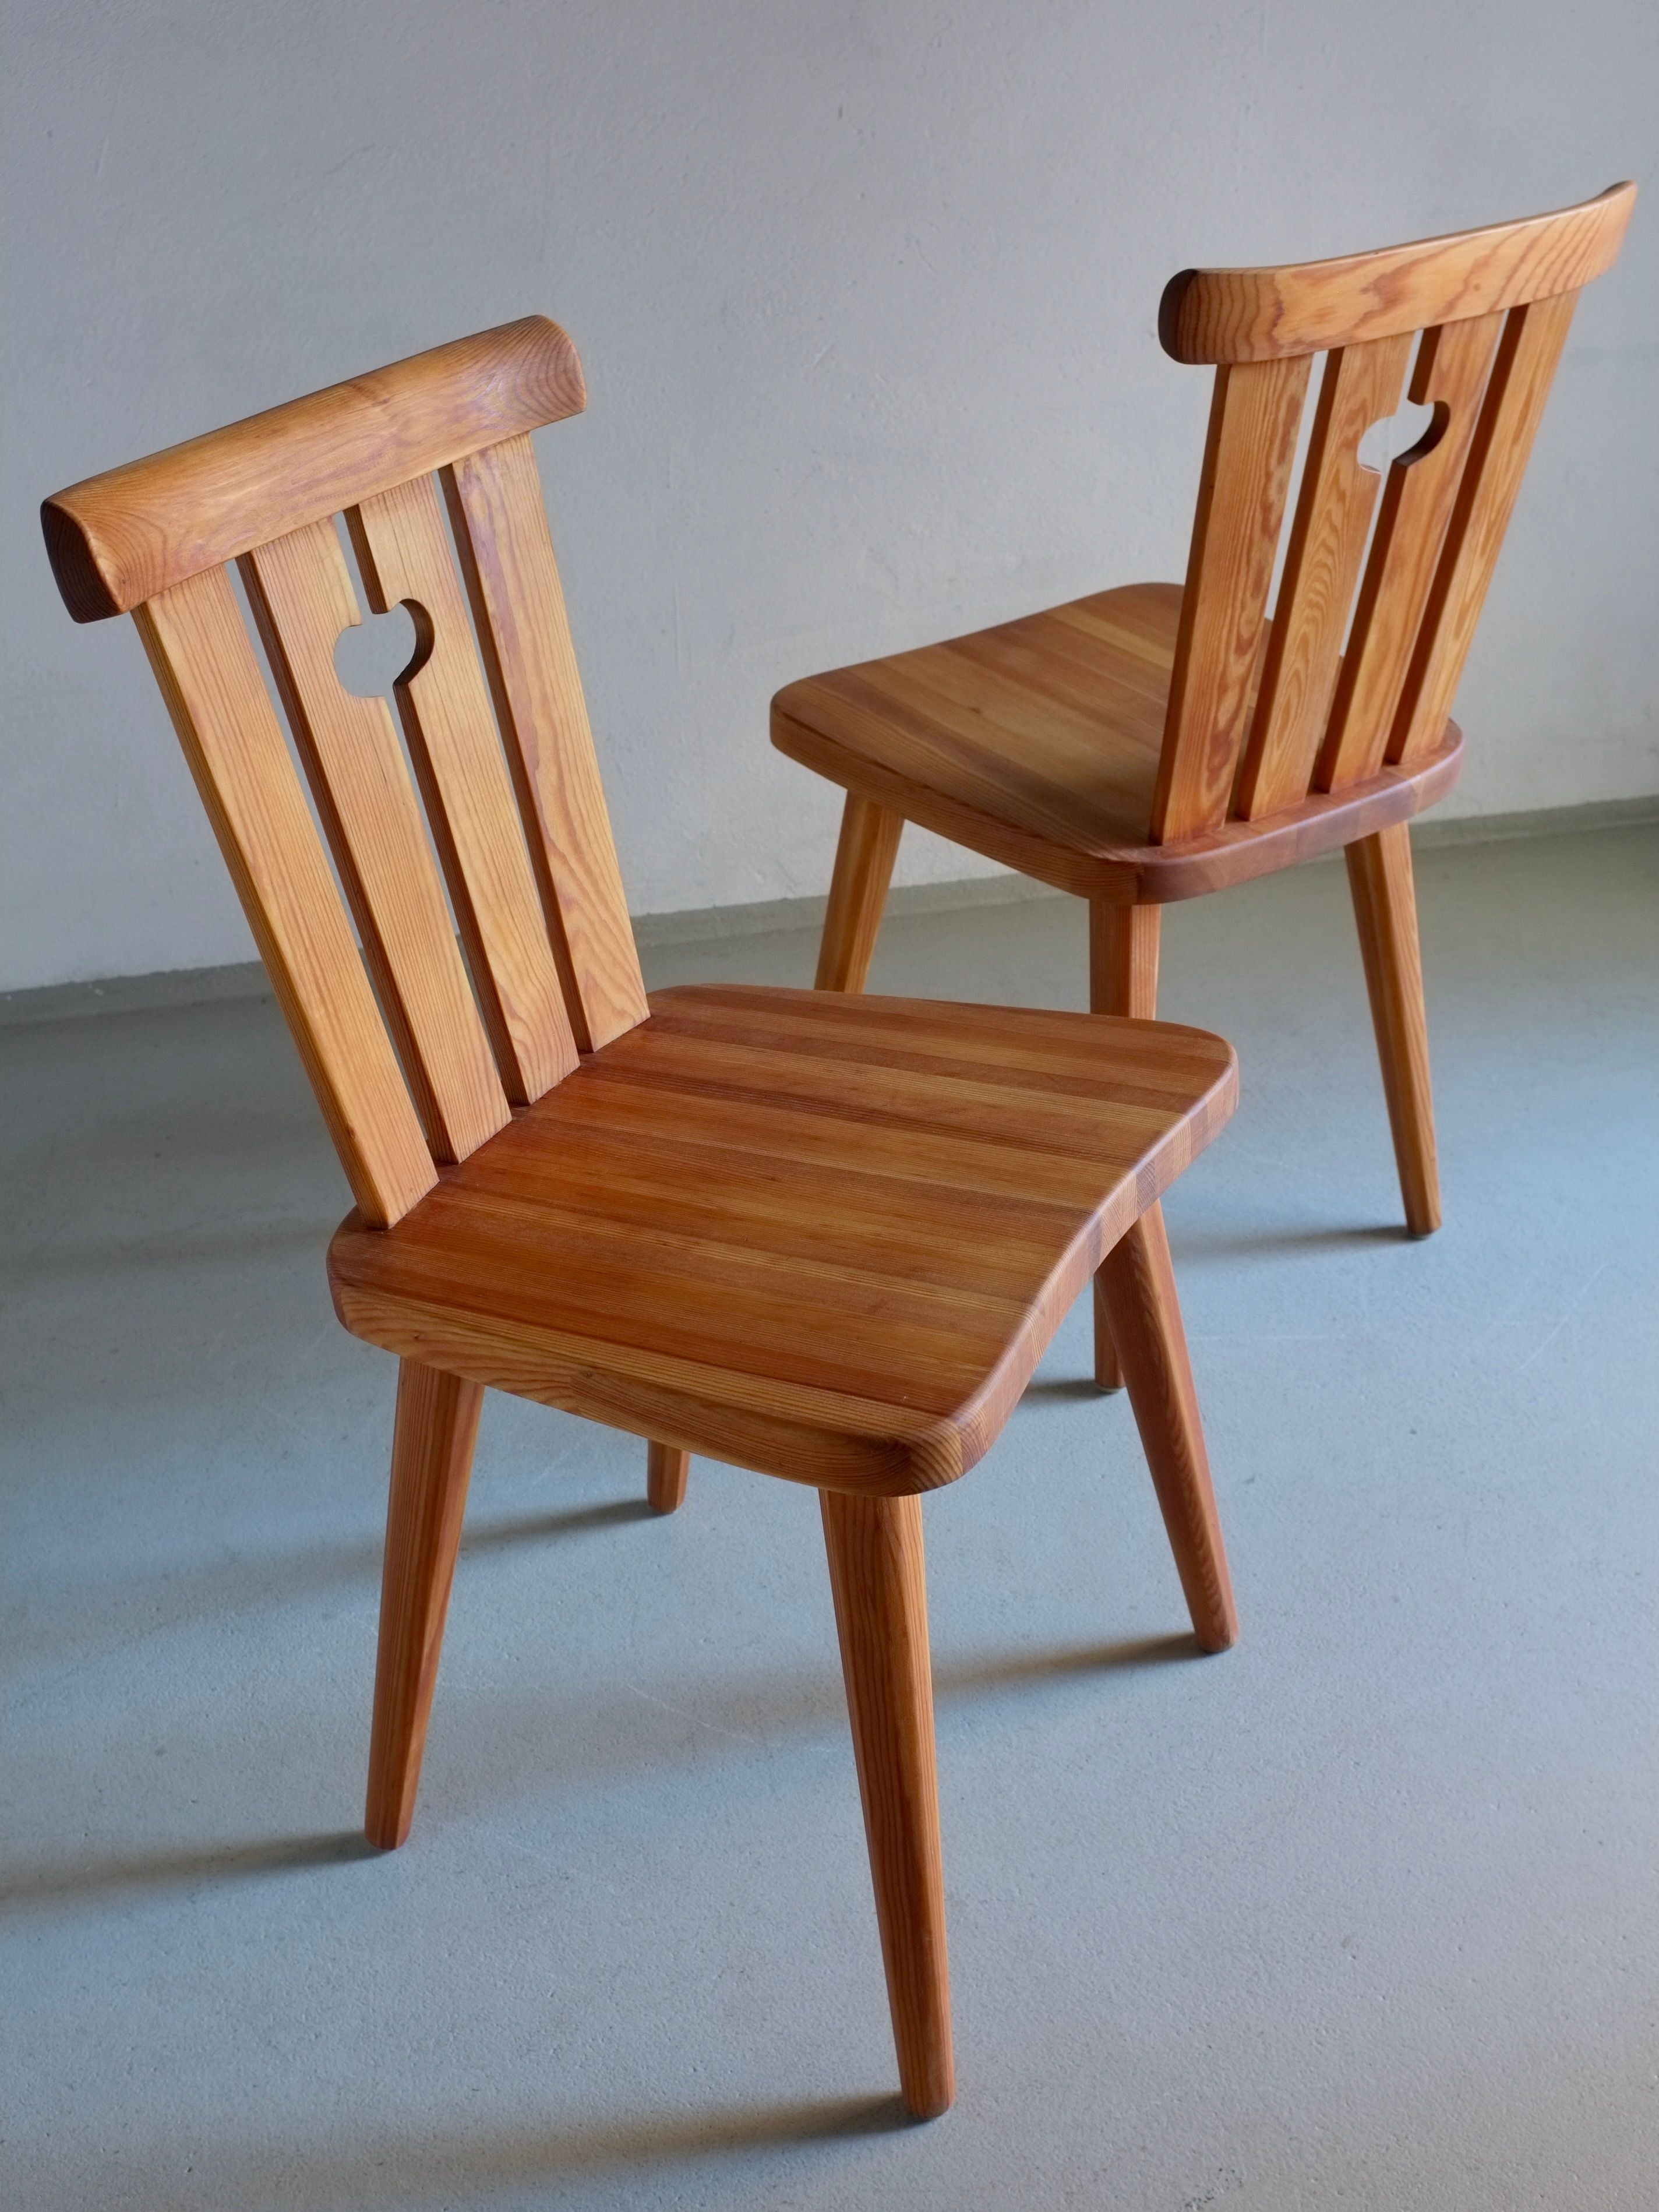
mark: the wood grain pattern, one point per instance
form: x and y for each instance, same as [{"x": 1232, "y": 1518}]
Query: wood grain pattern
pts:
[
  {"x": 1418, "y": 494},
  {"x": 1146, "y": 1317},
  {"x": 1123, "y": 942},
  {"x": 878, "y": 1585},
  {"x": 1264, "y": 314},
  {"x": 507, "y": 557},
  {"x": 1524, "y": 368},
  {"x": 1385, "y": 911},
  {"x": 823, "y": 1234},
  {"x": 1360, "y": 384},
  {"x": 120, "y": 538},
  {"x": 1037, "y": 742},
  {"x": 303, "y": 599},
  {"x": 1241, "y": 505},
  {"x": 857, "y": 889},
  {"x": 404, "y": 554},
  {"x": 203, "y": 659},
  {"x": 437, "y": 1424},
  {"x": 666, "y": 1471},
  {"x": 1053, "y": 723}
]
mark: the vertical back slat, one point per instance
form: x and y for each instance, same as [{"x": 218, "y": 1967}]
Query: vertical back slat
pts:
[
  {"x": 1450, "y": 371},
  {"x": 203, "y": 660},
  {"x": 507, "y": 557},
  {"x": 302, "y": 598},
  {"x": 1361, "y": 383},
  {"x": 1251, "y": 445},
  {"x": 1520, "y": 383},
  {"x": 404, "y": 552}
]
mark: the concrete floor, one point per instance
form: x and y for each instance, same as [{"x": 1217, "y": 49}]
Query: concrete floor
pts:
[{"x": 1360, "y": 1915}]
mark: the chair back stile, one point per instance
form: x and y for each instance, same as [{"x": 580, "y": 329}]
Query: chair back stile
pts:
[
  {"x": 1356, "y": 671},
  {"x": 418, "y": 1048}
]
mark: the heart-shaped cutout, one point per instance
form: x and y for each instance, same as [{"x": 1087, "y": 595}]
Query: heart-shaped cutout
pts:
[
  {"x": 372, "y": 656},
  {"x": 1414, "y": 429}
]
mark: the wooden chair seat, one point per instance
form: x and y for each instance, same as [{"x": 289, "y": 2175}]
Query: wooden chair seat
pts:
[
  {"x": 1037, "y": 742},
  {"x": 833, "y": 1234}
]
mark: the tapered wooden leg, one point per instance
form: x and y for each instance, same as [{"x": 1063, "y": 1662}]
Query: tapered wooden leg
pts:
[
  {"x": 432, "y": 1444},
  {"x": 1122, "y": 979},
  {"x": 1385, "y": 907},
  {"x": 666, "y": 1470},
  {"x": 858, "y": 891},
  {"x": 881, "y": 1614},
  {"x": 1137, "y": 1284}
]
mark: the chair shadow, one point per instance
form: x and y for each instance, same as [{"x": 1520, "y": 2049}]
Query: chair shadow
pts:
[
  {"x": 580, "y": 1520},
  {"x": 58, "y": 1881},
  {"x": 1011, "y": 1670},
  {"x": 218, "y": 1585},
  {"x": 1054, "y": 1388},
  {"x": 475, "y": 2166},
  {"x": 803, "y": 1704},
  {"x": 1246, "y": 1243}
]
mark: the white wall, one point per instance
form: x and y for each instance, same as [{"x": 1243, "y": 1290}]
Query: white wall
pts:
[{"x": 865, "y": 296}]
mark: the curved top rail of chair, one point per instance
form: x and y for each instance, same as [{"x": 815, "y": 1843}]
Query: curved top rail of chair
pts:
[
  {"x": 1231, "y": 315},
  {"x": 117, "y": 539}
]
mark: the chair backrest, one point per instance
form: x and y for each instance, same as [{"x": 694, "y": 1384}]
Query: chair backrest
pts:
[
  {"x": 1355, "y": 671},
  {"x": 421, "y": 1058}
]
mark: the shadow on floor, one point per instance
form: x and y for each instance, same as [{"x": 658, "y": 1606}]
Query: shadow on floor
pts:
[
  {"x": 194, "y": 1590},
  {"x": 751, "y": 1713},
  {"x": 1052, "y": 1390},
  {"x": 1010, "y": 1670},
  {"x": 66, "y": 1880},
  {"x": 579, "y": 1521},
  {"x": 1200, "y": 1244},
  {"x": 426, "y": 2168}
]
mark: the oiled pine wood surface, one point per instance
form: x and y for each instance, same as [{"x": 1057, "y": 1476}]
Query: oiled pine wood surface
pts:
[
  {"x": 117, "y": 539},
  {"x": 494, "y": 501},
  {"x": 303, "y": 599},
  {"x": 1260, "y": 314},
  {"x": 1037, "y": 743},
  {"x": 831, "y": 1234}
]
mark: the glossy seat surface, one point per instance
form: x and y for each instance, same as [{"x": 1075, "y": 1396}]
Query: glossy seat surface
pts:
[
  {"x": 1054, "y": 722},
  {"x": 832, "y": 1235},
  {"x": 1037, "y": 742}
]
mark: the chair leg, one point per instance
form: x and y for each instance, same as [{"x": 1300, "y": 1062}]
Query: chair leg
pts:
[
  {"x": 666, "y": 1470},
  {"x": 1122, "y": 979},
  {"x": 876, "y": 1577},
  {"x": 1385, "y": 908},
  {"x": 1138, "y": 1286},
  {"x": 858, "y": 891},
  {"x": 437, "y": 1423}
]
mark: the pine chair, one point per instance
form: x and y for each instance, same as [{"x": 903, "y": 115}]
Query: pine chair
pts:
[
  {"x": 825, "y": 1238},
  {"x": 1155, "y": 742}
]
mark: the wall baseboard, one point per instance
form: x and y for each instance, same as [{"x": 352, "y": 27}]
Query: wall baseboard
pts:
[{"x": 247, "y": 979}]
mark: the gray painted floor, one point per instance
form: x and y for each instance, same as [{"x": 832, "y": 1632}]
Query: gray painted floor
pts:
[{"x": 1360, "y": 1915}]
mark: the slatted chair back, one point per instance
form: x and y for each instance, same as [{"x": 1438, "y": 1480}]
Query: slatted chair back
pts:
[
  {"x": 418, "y": 1047},
  {"x": 1356, "y": 668}
]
